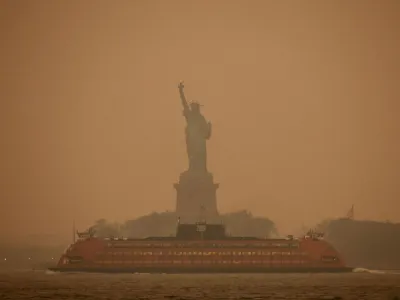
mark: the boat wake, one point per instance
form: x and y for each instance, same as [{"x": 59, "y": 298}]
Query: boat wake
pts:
[
  {"x": 364, "y": 270},
  {"x": 48, "y": 272}
]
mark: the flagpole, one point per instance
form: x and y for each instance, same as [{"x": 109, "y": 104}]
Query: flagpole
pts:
[{"x": 73, "y": 231}]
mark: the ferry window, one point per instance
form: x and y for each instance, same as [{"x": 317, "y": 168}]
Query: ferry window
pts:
[
  {"x": 176, "y": 261},
  {"x": 329, "y": 258}
]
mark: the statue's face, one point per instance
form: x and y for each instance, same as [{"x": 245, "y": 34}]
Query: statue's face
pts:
[{"x": 195, "y": 107}]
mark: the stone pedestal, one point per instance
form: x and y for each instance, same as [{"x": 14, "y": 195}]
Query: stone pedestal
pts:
[{"x": 196, "y": 197}]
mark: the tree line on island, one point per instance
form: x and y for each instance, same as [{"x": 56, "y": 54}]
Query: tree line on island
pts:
[{"x": 241, "y": 223}]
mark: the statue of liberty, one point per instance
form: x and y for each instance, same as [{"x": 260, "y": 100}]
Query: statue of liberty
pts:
[{"x": 197, "y": 132}]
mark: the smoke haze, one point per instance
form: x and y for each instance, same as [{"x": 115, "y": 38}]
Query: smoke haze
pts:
[{"x": 303, "y": 97}]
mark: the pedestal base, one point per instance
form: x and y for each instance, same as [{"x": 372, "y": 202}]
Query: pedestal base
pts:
[{"x": 196, "y": 197}]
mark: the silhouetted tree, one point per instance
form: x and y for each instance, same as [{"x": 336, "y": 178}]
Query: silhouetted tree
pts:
[
  {"x": 366, "y": 244},
  {"x": 240, "y": 223}
]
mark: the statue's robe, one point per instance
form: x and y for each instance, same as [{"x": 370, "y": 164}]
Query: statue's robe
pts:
[{"x": 197, "y": 132}]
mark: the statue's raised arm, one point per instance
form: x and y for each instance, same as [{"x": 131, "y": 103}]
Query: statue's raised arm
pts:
[{"x": 182, "y": 95}]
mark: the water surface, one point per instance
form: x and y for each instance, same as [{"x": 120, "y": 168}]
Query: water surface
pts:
[{"x": 363, "y": 284}]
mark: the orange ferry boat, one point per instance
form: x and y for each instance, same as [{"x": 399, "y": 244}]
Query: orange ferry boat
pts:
[{"x": 200, "y": 248}]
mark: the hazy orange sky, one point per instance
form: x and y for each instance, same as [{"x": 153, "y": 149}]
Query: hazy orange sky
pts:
[{"x": 303, "y": 97}]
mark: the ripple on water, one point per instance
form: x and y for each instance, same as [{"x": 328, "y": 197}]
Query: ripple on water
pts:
[{"x": 50, "y": 285}]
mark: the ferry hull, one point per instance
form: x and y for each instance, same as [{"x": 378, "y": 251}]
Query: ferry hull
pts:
[{"x": 160, "y": 270}]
